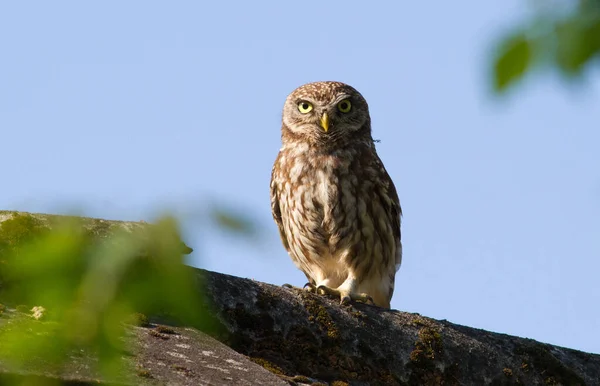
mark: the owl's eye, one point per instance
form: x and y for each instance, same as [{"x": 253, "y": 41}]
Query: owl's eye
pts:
[
  {"x": 305, "y": 107},
  {"x": 345, "y": 106}
]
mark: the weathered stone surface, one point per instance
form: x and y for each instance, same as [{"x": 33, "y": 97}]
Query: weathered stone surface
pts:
[
  {"x": 156, "y": 355},
  {"x": 303, "y": 338},
  {"x": 185, "y": 356},
  {"x": 300, "y": 333}
]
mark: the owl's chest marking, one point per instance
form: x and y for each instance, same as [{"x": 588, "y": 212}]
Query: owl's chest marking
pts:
[
  {"x": 325, "y": 189},
  {"x": 319, "y": 192}
]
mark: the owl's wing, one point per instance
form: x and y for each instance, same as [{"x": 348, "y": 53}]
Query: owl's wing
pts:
[
  {"x": 275, "y": 209},
  {"x": 394, "y": 209}
]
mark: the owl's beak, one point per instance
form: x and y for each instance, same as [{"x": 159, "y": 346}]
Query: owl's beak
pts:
[{"x": 325, "y": 122}]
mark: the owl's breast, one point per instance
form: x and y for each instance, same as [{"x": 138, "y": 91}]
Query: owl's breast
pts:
[{"x": 324, "y": 191}]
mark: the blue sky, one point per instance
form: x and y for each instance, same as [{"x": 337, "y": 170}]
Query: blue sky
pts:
[{"x": 124, "y": 110}]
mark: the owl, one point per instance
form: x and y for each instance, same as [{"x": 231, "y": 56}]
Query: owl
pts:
[{"x": 334, "y": 203}]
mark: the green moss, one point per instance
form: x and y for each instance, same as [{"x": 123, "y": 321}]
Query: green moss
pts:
[
  {"x": 428, "y": 349},
  {"x": 360, "y": 316},
  {"x": 538, "y": 357},
  {"x": 428, "y": 346},
  {"x": 419, "y": 321},
  {"x": 318, "y": 313},
  {"x": 268, "y": 365}
]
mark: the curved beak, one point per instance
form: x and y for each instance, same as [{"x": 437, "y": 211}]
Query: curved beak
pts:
[{"x": 325, "y": 121}]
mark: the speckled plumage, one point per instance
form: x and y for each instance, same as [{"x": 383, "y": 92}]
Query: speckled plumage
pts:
[{"x": 336, "y": 207}]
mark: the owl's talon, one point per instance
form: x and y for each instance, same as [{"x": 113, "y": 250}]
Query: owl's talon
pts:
[
  {"x": 307, "y": 287},
  {"x": 310, "y": 287},
  {"x": 365, "y": 298},
  {"x": 324, "y": 290}
]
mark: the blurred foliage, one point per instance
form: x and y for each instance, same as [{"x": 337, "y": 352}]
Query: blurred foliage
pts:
[
  {"x": 233, "y": 221},
  {"x": 86, "y": 282},
  {"x": 568, "y": 40}
]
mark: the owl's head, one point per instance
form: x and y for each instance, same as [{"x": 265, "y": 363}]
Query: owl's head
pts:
[{"x": 326, "y": 112}]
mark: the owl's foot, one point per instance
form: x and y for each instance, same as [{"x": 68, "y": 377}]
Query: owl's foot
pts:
[{"x": 345, "y": 295}]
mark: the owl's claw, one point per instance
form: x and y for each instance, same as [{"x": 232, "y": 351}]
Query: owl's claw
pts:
[
  {"x": 344, "y": 295},
  {"x": 310, "y": 287},
  {"x": 307, "y": 287}
]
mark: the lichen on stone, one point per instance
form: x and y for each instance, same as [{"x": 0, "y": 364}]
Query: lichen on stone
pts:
[
  {"x": 319, "y": 314},
  {"x": 427, "y": 352},
  {"x": 428, "y": 346},
  {"x": 268, "y": 365}
]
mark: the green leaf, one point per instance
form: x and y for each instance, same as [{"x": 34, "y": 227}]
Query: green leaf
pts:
[
  {"x": 512, "y": 61},
  {"x": 89, "y": 285},
  {"x": 578, "y": 41}
]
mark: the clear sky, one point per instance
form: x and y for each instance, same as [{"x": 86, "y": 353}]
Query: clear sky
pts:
[{"x": 122, "y": 110}]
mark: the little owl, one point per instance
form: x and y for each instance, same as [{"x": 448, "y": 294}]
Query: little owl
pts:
[{"x": 336, "y": 207}]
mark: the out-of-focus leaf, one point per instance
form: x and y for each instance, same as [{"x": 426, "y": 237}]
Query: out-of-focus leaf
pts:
[
  {"x": 568, "y": 41},
  {"x": 513, "y": 60},
  {"x": 578, "y": 41},
  {"x": 232, "y": 221},
  {"x": 90, "y": 285}
]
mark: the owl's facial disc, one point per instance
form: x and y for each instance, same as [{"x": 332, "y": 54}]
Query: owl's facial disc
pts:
[{"x": 325, "y": 112}]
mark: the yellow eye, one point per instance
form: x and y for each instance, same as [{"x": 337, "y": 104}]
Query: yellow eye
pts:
[
  {"x": 345, "y": 106},
  {"x": 305, "y": 107}
]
